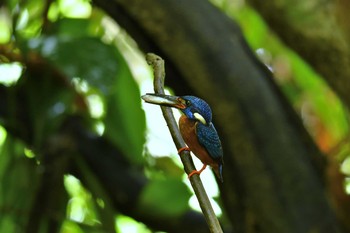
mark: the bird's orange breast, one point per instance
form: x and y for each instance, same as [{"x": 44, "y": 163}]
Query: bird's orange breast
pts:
[{"x": 188, "y": 132}]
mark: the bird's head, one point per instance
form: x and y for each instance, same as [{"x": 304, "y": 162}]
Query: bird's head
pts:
[{"x": 193, "y": 107}]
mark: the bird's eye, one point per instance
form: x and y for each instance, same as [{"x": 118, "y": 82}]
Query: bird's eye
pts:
[{"x": 188, "y": 103}]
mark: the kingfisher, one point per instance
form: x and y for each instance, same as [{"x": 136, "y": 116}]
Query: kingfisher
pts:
[{"x": 196, "y": 128}]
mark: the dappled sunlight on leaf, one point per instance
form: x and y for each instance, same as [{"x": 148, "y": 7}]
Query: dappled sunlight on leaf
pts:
[
  {"x": 127, "y": 224},
  {"x": 75, "y": 8},
  {"x": 10, "y": 73},
  {"x": 80, "y": 207}
]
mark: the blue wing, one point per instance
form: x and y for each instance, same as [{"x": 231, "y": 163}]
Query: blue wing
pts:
[{"x": 209, "y": 138}]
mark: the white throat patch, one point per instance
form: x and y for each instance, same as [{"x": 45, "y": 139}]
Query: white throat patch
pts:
[{"x": 199, "y": 117}]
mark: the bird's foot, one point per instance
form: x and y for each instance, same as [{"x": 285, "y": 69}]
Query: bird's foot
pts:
[
  {"x": 183, "y": 149},
  {"x": 197, "y": 172}
]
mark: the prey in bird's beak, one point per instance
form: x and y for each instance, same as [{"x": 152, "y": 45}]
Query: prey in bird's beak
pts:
[{"x": 165, "y": 100}]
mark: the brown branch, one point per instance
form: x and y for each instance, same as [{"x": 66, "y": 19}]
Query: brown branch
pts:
[{"x": 157, "y": 64}]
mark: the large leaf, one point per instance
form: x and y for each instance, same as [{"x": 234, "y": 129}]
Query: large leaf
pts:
[
  {"x": 77, "y": 27},
  {"x": 18, "y": 176},
  {"x": 165, "y": 198},
  {"x": 83, "y": 57},
  {"x": 125, "y": 120}
]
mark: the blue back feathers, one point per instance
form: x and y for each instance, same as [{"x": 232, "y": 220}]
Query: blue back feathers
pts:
[{"x": 208, "y": 137}]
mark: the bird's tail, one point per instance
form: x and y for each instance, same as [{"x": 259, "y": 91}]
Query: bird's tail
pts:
[{"x": 218, "y": 171}]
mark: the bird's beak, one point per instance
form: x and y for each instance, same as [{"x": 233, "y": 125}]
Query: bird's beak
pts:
[{"x": 165, "y": 100}]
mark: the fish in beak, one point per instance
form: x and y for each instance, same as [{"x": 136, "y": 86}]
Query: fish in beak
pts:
[{"x": 165, "y": 100}]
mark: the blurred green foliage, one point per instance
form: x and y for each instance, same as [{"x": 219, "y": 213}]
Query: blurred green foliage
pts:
[{"x": 79, "y": 72}]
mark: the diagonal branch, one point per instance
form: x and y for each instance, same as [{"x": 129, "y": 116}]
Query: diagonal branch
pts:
[{"x": 157, "y": 64}]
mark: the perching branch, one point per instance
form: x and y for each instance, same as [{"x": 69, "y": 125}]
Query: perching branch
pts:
[{"x": 157, "y": 64}]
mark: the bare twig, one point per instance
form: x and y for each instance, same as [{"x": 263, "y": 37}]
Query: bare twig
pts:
[{"x": 157, "y": 64}]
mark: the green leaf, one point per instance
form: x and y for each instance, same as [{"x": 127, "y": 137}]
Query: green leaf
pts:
[
  {"x": 18, "y": 176},
  {"x": 125, "y": 120},
  {"x": 165, "y": 165},
  {"x": 86, "y": 58},
  {"x": 69, "y": 226},
  {"x": 72, "y": 27},
  {"x": 75, "y": 27},
  {"x": 30, "y": 18},
  {"x": 165, "y": 198}
]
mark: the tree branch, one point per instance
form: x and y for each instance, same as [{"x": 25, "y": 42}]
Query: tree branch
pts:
[{"x": 159, "y": 74}]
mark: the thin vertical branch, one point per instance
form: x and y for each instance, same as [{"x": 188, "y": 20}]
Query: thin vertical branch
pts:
[{"x": 157, "y": 64}]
